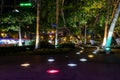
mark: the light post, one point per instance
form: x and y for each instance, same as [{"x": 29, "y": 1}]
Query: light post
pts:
[{"x": 19, "y": 29}]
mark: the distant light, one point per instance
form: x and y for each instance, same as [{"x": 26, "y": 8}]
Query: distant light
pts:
[
  {"x": 72, "y": 64},
  {"x": 94, "y": 52},
  {"x": 16, "y": 10},
  {"x": 82, "y": 47},
  {"x": 81, "y": 51},
  {"x": 25, "y": 4},
  {"x": 52, "y": 71},
  {"x": 25, "y": 65},
  {"x": 51, "y": 60},
  {"x": 50, "y": 41},
  {"x": 78, "y": 53},
  {"x": 83, "y": 60},
  {"x": 66, "y": 56}
]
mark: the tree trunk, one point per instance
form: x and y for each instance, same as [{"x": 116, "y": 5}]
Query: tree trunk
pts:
[
  {"x": 110, "y": 33},
  {"x": 115, "y": 7},
  {"x": 106, "y": 24},
  {"x": 20, "y": 37},
  {"x": 37, "y": 44},
  {"x": 57, "y": 15},
  {"x": 62, "y": 12}
]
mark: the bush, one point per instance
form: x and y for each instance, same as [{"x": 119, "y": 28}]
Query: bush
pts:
[
  {"x": 45, "y": 44},
  {"x": 46, "y": 51},
  {"x": 67, "y": 45}
]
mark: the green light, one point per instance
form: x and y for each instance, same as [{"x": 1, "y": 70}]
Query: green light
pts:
[{"x": 25, "y": 4}]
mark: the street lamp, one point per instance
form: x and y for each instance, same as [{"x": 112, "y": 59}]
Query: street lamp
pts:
[{"x": 19, "y": 29}]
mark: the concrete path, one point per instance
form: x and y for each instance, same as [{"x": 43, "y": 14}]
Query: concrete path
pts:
[{"x": 69, "y": 67}]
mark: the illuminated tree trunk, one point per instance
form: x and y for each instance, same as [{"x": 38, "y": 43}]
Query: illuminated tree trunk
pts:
[
  {"x": 57, "y": 14},
  {"x": 115, "y": 7},
  {"x": 106, "y": 24},
  {"x": 110, "y": 33},
  {"x": 37, "y": 43},
  {"x": 20, "y": 37}
]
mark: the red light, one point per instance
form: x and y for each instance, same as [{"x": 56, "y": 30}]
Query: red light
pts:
[{"x": 52, "y": 71}]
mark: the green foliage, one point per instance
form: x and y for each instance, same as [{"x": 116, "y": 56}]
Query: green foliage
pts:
[
  {"x": 11, "y": 21},
  {"x": 75, "y": 11}
]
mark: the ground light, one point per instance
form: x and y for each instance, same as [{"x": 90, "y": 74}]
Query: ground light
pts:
[
  {"x": 90, "y": 56},
  {"x": 77, "y": 52},
  {"x": 53, "y": 71},
  {"x": 51, "y": 60},
  {"x": 83, "y": 59},
  {"x": 25, "y": 64},
  {"x": 72, "y": 65}
]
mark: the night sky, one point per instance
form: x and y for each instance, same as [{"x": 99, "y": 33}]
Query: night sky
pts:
[{"x": 9, "y": 5}]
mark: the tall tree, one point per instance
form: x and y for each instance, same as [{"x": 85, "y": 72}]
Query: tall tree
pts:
[
  {"x": 112, "y": 26},
  {"x": 37, "y": 44},
  {"x": 57, "y": 19},
  {"x": 106, "y": 23},
  {"x": 62, "y": 12}
]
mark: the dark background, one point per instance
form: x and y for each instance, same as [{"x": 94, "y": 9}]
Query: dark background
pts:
[{"x": 9, "y": 5}]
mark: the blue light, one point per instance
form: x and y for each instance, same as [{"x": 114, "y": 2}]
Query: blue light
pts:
[
  {"x": 109, "y": 39},
  {"x": 107, "y": 49},
  {"x": 72, "y": 65}
]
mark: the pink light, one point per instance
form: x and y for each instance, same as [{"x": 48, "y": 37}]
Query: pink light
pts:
[{"x": 52, "y": 71}]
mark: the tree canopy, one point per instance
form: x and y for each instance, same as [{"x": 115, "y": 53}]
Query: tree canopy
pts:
[{"x": 77, "y": 14}]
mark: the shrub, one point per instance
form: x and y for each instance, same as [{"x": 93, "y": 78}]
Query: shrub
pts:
[{"x": 67, "y": 45}]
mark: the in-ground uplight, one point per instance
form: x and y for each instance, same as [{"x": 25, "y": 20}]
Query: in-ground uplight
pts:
[{"x": 53, "y": 71}]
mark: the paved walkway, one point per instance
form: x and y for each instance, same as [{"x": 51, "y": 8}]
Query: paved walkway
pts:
[{"x": 100, "y": 67}]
